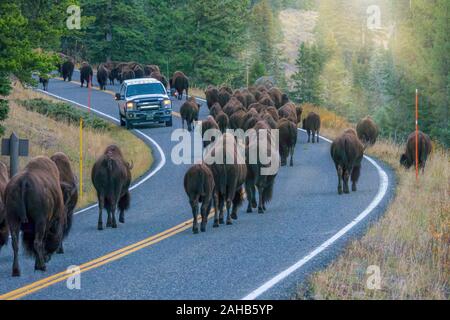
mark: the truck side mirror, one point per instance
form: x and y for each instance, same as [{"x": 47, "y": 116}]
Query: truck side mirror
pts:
[{"x": 118, "y": 97}]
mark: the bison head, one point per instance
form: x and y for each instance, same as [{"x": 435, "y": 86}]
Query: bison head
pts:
[{"x": 404, "y": 161}]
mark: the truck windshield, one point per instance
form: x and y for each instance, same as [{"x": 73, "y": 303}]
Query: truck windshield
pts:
[{"x": 145, "y": 88}]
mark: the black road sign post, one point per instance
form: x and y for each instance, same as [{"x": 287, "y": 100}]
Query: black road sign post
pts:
[{"x": 14, "y": 148}]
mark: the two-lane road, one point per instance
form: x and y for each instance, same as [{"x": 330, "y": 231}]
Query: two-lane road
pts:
[{"x": 154, "y": 255}]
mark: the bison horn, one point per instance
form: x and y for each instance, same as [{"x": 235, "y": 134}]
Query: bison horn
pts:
[{"x": 131, "y": 165}]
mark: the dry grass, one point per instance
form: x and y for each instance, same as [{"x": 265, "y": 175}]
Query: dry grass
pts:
[
  {"x": 48, "y": 136},
  {"x": 410, "y": 243}
]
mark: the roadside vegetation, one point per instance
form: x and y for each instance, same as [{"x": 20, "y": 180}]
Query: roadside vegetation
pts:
[
  {"x": 48, "y": 135},
  {"x": 410, "y": 243}
]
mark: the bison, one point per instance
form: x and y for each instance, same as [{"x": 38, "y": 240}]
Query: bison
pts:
[
  {"x": 367, "y": 131},
  {"x": 44, "y": 80},
  {"x": 288, "y": 139},
  {"x": 86, "y": 74},
  {"x": 35, "y": 205},
  {"x": 224, "y": 96},
  {"x": 102, "y": 76},
  {"x": 232, "y": 106},
  {"x": 4, "y": 233},
  {"x": 209, "y": 124},
  {"x": 67, "y": 70},
  {"x": 158, "y": 76},
  {"x": 180, "y": 82},
  {"x": 138, "y": 71},
  {"x": 288, "y": 111},
  {"x": 347, "y": 153},
  {"x": 215, "y": 109},
  {"x": 223, "y": 121},
  {"x": 68, "y": 185},
  {"x": 425, "y": 147},
  {"x": 212, "y": 96},
  {"x": 111, "y": 177},
  {"x": 277, "y": 97},
  {"x": 312, "y": 126},
  {"x": 199, "y": 187},
  {"x": 189, "y": 112},
  {"x": 229, "y": 176},
  {"x": 126, "y": 74},
  {"x": 261, "y": 174},
  {"x": 150, "y": 68}
]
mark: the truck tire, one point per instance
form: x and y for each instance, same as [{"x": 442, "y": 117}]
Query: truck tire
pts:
[
  {"x": 128, "y": 124},
  {"x": 169, "y": 123},
  {"x": 122, "y": 122}
]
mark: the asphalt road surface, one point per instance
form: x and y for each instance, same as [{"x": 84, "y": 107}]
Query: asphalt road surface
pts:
[{"x": 155, "y": 255}]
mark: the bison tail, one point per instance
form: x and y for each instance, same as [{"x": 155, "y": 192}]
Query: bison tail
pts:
[
  {"x": 22, "y": 210},
  {"x": 124, "y": 202},
  {"x": 28, "y": 236}
]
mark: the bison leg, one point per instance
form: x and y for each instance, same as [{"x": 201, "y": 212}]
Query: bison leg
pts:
[
  {"x": 317, "y": 133},
  {"x": 309, "y": 135},
  {"x": 60, "y": 248},
  {"x": 355, "y": 176},
  {"x": 291, "y": 163},
  {"x": 194, "y": 207},
  {"x": 249, "y": 192},
  {"x": 346, "y": 176},
  {"x": 39, "y": 246},
  {"x": 216, "y": 211},
  {"x": 229, "y": 222},
  {"x": 113, "y": 214},
  {"x": 339, "y": 174},
  {"x": 206, "y": 207},
  {"x": 221, "y": 205},
  {"x": 101, "y": 203},
  {"x": 313, "y": 133},
  {"x": 15, "y": 246},
  {"x": 261, "y": 200}
]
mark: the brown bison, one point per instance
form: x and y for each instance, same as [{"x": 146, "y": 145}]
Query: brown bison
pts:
[
  {"x": 229, "y": 176},
  {"x": 224, "y": 96},
  {"x": 111, "y": 177},
  {"x": 180, "y": 82},
  {"x": 34, "y": 204},
  {"x": 199, "y": 187},
  {"x": 161, "y": 78},
  {"x": 102, "y": 76},
  {"x": 209, "y": 124},
  {"x": 277, "y": 97},
  {"x": 4, "y": 233},
  {"x": 347, "y": 153},
  {"x": 68, "y": 184},
  {"x": 288, "y": 111},
  {"x": 126, "y": 74},
  {"x": 215, "y": 109},
  {"x": 424, "y": 149},
  {"x": 150, "y": 68},
  {"x": 67, "y": 70},
  {"x": 367, "y": 131},
  {"x": 273, "y": 112},
  {"x": 44, "y": 80},
  {"x": 223, "y": 121},
  {"x": 138, "y": 71},
  {"x": 266, "y": 100},
  {"x": 86, "y": 74},
  {"x": 233, "y": 106},
  {"x": 189, "y": 112},
  {"x": 288, "y": 140},
  {"x": 212, "y": 96},
  {"x": 312, "y": 126},
  {"x": 261, "y": 174}
]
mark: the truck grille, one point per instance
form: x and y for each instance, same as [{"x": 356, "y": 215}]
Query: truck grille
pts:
[{"x": 148, "y": 105}]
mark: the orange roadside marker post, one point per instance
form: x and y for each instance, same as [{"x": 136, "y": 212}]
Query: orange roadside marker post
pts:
[{"x": 417, "y": 135}]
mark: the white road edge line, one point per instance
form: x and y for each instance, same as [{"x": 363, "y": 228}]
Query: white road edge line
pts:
[
  {"x": 158, "y": 147},
  {"x": 384, "y": 182}
]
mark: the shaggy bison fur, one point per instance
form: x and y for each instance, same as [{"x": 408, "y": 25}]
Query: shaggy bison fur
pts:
[
  {"x": 67, "y": 70},
  {"x": 68, "y": 184},
  {"x": 288, "y": 140},
  {"x": 86, "y": 74},
  {"x": 212, "y": 96},
  {"x": 180, "y": 82},
  {"x": 111, "y": 177},
  {"x": 425, "y": 147},
  {"x": 189, "y": 112},
  {"x": 312, "y": 126},
  {"x": 347, "y": 153},
  {"x": 102, "y": 76},
  {"x": 4, "y": 178},
  {"x": 367, "y": 131},
  {"x": 34, "y": 204},
  {"x": 199, "y": 187}
]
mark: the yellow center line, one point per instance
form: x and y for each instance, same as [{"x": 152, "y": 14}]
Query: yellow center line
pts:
[{"x": 110, "y": 257}]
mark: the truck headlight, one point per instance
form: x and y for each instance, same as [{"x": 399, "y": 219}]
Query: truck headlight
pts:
[
  {"x": 167, "y": 103},
  {"x": 130, "y": 105}
]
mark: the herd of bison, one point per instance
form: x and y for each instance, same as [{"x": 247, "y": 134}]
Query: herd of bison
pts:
[{"x": 39, "y": 201}]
